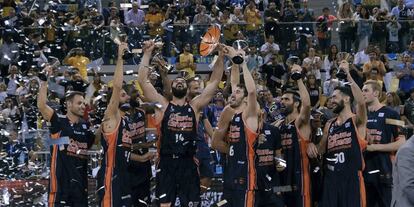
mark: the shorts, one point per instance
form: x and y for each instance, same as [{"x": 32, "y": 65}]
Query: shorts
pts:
[
  {"x": 73, "y": 195},
  {"x": 343, "y": 190},
  {"x": 379, "y": 193},
  {"x": 141, "y": 195},
  {"x": 178, "y": 177},
  {"x": 243, "y": 198}
]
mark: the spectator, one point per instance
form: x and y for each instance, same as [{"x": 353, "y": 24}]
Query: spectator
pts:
[
  {"x": 403, "y": 14},
  {"x": 315, "y": 90},
  {"x": 269, "y": 49},
  {"x": 364, "y": 30},
  {"x": 292, "y": 50},
  {"x": 346, "y": 26},
  {"x": 201, "y": 17},
  {"x": 393, "y": 29},
  {"x": 106, "y": 12},
  {"x": 186, "y": 62},
  {"x": 361, "y": 57},
  {"x": 12, "y": 80},
  {"x": 410, "y": 50},
  {"x": 135, "y": 17},
  {"x": 330, "y": 84},
  {"x": 393, "y": 101},
  {"x": 76, "y": 58},
  {"x": 379, "y": 28},
  {"x": 312, "y": 64},
  {"x": 9, "y": 110},
  {"x": 9, "y": 54},
  {"x": 306, "y": 14},
  {"x": 154, "y": 18},
  {"x": 271, "y": 18},
  {"x": 215, "y": 13},
  {"x": 374, "y": 64},
  {"x": 405, "y": 72},
  {"x": 288, "y": 14},
  {"x": 3, "y": 92},
  {"x": 254, "y": 61},
  {"x": 181, "y": 23},
  {"x": 275, "y": 73},
  {"x": 324, "y": 29},
  {"x": 330, "y": 61},
  {"x": 253, "y": 20}
]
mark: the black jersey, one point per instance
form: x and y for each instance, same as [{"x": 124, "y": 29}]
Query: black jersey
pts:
[
  {"x": 69, "y": 162},
  {"x": 378, "y": 132},
  {"x": 178, "y": 131},
  {"x": 141, "y": 171},
  {"x": 239, "y": 170},
  {"x": 113, "y": 176},
  {"x": 296, "y": 173},
  {"x": 343, "y": 151},
  {"x": 267, "y": 142}
]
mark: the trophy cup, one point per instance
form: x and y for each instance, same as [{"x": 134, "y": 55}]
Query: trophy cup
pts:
[
  {"x": 294, "y": 60},
  {"x": 123, "y": 38},
  {"x": 210, "y": 42},
  {"x": 341, "y": 75}
]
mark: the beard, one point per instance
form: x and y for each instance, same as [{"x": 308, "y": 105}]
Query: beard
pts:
[
  {"x": 286, "y": 110},
  {"x": 134, "y": 103},
  {"x": 339, "y": 107},
  {"x": 179, "y": 93}
]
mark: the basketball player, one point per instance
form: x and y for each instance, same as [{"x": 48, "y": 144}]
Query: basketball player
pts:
[
  {"x": 383, "y": 140},
  {"x": 114, "y": 186},
  {"x": 295, "y": 131},
  {"x": 341, "y": 145},
  {"x": 177, "y": 124},
  {"x": 239, "y": 122},
  {"x": 68, "y": 181}
]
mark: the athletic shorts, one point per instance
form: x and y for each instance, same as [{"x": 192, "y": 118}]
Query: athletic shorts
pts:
[{"x": 243, "y": 198}]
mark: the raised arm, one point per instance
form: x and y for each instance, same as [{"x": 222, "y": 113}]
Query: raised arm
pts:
[
  {"x": 305, "y": 110},
  {"x": 112, "y": 115},
  {"x": 150, "y": 92},
  {"x": 361, "y": 109},
  {"x": 251, "y": 92},
  {"x": 44, "y": 109},
  {"x": 208, "y": 93},
  {"x": 234, "y": 76}
]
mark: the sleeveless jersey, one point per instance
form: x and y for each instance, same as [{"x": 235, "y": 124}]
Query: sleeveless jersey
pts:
[
  {"x": 113, "y": 176},
  {"x": 140, "y": 170},
  {"x": 343, "y": 152},
  {"x": 239, "y": 171},
  {"x": 378, "y": 132},
  {"x": 296, "y": 173},
  {"x": 69, "y": 162},
  {"x": 178, "y": 131},
  {"x": 267, "y": 142}
]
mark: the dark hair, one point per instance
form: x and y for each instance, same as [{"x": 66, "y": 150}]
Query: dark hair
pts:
[
  {"x": 244, "y": 89},
  {"x": 332, "y": 70},
  {"x": 346, "y": 91},
  {"x": 325, "y": 9},
  {"x": 366, "y": 16},
  {"x": 295, "y": 95},
  {"x": 332, "y": 56},
  {"x": 71, "y": 94}
]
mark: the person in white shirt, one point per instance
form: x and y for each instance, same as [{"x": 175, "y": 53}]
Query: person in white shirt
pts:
[
  {"x": 361, "y": 57},
  {"x": 269, "y": 48},
  {"x": 312, "y": 64}
]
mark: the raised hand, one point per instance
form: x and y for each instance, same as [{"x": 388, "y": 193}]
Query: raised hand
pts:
[{"x": 148, "y": 46}]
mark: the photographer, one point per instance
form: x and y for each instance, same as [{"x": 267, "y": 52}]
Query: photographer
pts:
[{"x": 75, "y": 83}]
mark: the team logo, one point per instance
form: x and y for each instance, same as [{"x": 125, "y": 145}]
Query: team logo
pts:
[
  {"x": 381, "y": 114},
  {"x": 267, "y": 132},
  {"x": 347, "y": 125},
  {"x": 84, "y": 126},
  {"x": 189, "y": 110},
  {"x": 237, "y": 119},
  {"x": 139, "y": 115}
]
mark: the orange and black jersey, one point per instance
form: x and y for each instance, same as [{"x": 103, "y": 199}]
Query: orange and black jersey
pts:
[
  {"x": 378, "y": 132},
  {"x": 296, "y": 173},
  {"x": 267, "y": 142},
  {"x": 113, "y": 176},
  {"x": 140, "y": 170},
  {"x": 343, "y": 152},
  {"x": 178, "y": 131},
  {"x": 239, "y": 170},
  {"x": 69, "y": 162}
]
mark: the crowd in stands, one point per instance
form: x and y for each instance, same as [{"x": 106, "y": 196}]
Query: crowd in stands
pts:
[{"x": 377, "y": 41}]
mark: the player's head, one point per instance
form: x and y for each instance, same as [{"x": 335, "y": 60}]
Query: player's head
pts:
[
  {"x": 75, "y": 103},
  {"x": 238, "y": 96},
  {"x": 194, "y": 87},
  {"x": 341, "y": 97},
  {"x": 290, "y": 102},
  {"x": 123, "y": 96},
  {"x": 371, "y": 91},
  {"x": 179, "y": 87}
]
